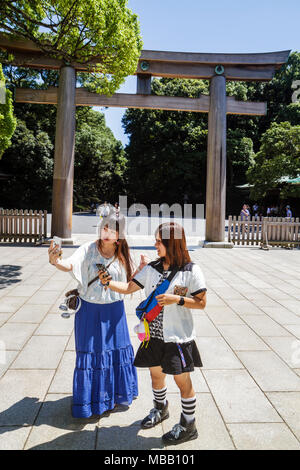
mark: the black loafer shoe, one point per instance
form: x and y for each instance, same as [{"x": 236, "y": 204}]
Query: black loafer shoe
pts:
[
  {"x": 181, "y": 432},
  {"x": 158, "y": 414}
]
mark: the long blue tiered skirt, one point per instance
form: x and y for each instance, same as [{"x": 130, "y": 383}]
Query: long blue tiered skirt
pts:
[{"x": 104, "y": 373}]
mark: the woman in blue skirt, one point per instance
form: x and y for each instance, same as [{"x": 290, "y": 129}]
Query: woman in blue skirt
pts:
[{"x": 104, "y": 373}]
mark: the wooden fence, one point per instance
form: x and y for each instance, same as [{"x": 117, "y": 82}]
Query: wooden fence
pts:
[
  {"x": 23, "y": 227},
  {"x": 275, "y": 231}
]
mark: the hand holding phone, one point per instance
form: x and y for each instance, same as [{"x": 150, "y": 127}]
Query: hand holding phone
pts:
[
  {"x": 55, "y": 251},
  {"x": 57, "y": 242},
  {"x": 103, "y": 274}
]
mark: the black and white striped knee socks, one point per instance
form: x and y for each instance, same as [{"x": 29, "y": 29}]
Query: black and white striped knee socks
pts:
[
  {"x": 160, "y": 395},
  {"x": 188, "y": 404},
  {"x": 188, "y": 408}
]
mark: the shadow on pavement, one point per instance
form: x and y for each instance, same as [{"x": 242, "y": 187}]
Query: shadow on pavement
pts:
[
  {"x": 9, "y": 275},
  {"x": 110, "y": 438},
  {"x": 56, "y": 414}
]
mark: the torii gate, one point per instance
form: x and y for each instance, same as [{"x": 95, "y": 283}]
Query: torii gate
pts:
[{"x": 215, "y": 67}]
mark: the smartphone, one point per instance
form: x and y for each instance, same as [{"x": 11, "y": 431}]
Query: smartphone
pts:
[
  {"x": 57, "y": 242},
  {"x": 101, "y": 267}
]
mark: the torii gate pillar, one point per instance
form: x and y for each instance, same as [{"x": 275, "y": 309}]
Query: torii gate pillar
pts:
[
  {"x": 216, "y": 161},
  {"x": 63, "y": 177}
]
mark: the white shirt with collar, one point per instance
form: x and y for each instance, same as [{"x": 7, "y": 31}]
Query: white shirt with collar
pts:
[{"x": 178, "y": 325}]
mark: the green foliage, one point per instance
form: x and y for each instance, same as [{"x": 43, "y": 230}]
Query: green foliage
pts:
[
  {"x": 104, "y": 32},
  {"x": 172, "y": 146},
  {"x": 99, "y": 160},
  {"x": 19, "y": 77},
  {"x": 240, "y": 156},
  {"x": 279, "y": 156},
  {"x": 179, "y": 87},
  {"x": 167, "y": 147},
  {"x": 175, "y": 144},
  {"x": 29, "y": 161},
  {"x": 7, "y": 120}
]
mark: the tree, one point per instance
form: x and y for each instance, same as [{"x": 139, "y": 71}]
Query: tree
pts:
[
  {"x": 7, "y": 120},
  {"x": 240, "y": 156},
  {"x": 104, "y": 32},
  {"x": 29, "y": 161},
  {"x": 99, "y": 161},
  {"x": 167, "y": 146},
  {"x": 279, "y": 156},
  {"x": 172, "y": 146},
  {"x": 176, "y": 142},
  {"x": 99, "y": 158}
]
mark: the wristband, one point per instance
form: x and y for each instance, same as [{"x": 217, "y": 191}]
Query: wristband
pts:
[{"x": 181, "y": 301}]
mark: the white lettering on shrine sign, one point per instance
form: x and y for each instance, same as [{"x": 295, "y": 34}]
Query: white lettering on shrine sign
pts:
[
  {"x": 296, "y": 94},
  {"x": 2, "y": 92}
]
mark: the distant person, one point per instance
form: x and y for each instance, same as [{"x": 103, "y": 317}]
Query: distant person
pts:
[
  {"x": 117, "y": 209},
  {"x": 104, "y": 210},
  {"x": 274, "y": 210},
  {"x": 268, "y": 211},
  {"x": 288, "y": 212},
  {"x": 98, "y": 209},
  {"x": 255, "y": 209},
  {"x": 245, "y": 213}
]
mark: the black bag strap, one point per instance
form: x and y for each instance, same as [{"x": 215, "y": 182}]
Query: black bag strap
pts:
[{"x": 172, "y": 274}]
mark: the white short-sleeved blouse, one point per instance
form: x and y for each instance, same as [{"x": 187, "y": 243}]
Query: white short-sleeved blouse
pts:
[{"x": 84, "y": 269}]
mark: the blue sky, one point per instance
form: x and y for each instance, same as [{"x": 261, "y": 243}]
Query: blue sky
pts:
[{"x": 211, "y": 26}]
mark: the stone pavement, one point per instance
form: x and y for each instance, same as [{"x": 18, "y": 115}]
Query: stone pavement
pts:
[{"x": 248, "y": 392}]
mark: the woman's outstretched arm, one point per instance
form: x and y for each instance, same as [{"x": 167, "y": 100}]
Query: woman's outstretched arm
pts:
[
  {"x": 120, "y": 287},
  {"x": 54, "y": 259}
]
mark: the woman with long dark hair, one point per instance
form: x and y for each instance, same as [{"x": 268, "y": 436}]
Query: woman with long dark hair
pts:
[
  {"x": 171, "y": 349},
  {"x": 104, "y": 374}
]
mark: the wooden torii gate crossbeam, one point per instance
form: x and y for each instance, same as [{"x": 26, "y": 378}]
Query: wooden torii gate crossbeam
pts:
[{"x": 215, "y": 67}]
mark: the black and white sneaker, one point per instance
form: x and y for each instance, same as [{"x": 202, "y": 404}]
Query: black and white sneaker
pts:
[
  {"x": 158, "y": 414},
  {"x": 181, "y": 432}
]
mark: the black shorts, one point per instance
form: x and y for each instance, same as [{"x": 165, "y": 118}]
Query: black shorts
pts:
[{"x": 167, "y": 355}]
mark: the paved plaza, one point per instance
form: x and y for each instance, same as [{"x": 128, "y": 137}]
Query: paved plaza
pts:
[{"x": 248, "y": 392}]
